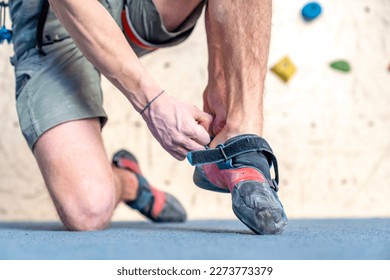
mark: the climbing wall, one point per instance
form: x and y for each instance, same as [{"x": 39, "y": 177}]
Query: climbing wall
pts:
[{"x": 329, "y": 128}]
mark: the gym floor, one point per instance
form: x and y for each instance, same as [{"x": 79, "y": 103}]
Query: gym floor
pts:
[{"x": 303, "y": 239}]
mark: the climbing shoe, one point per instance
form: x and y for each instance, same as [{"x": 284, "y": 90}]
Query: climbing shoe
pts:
[
  {"x": 241, "y": 166},
  {"x": 154, "y": 204}
]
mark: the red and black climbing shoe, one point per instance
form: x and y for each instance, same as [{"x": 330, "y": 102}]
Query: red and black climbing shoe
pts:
[
  {"x": 154, "y": 204},
  {"x": 241, "y": 166}
]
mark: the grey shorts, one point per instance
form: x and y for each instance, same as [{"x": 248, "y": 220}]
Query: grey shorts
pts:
[{"x": 63, "y": 86}]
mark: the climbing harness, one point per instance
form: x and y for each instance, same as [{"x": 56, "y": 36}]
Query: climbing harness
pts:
[{"x": 5, "y": 34}]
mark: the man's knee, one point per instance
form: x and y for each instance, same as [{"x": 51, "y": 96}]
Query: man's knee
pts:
[{"x": 87, "y": 213}]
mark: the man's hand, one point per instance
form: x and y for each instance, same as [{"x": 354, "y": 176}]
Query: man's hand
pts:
[
  {"x": 214, "y": 103},
  {"x": 179, "y": 127}
]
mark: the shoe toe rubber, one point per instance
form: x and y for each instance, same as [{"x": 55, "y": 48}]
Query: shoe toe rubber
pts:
[
  {"x": 258, "y": 207},
  {"x": 172, "y": 211}
]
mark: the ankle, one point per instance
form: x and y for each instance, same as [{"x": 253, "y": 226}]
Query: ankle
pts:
[
  {"x": 128, "y": 184},
  {"x": 230, "y": 131}
]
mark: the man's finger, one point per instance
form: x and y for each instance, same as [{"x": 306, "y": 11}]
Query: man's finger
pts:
[
  {"x": 201, "y": 136},
  {"x": 204, "y": 119},
  {"x": 181, "y": 153},
  {"x": 218, "y": 125}
]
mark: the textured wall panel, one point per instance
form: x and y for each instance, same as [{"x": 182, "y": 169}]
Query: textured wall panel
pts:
[{"x": 330, "y": 130}]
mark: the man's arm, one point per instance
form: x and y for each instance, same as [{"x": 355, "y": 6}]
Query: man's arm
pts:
[
  {"x": 101, "y": 41},
  {"x": 179, "y": 127}
]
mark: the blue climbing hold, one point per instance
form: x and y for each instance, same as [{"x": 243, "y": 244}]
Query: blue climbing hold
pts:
[
  {"x": 311, "y": 10},
  {"x": 5, "y": 34}
]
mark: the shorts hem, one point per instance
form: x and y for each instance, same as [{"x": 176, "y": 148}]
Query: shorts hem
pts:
[{"x": 33, "y": 135}]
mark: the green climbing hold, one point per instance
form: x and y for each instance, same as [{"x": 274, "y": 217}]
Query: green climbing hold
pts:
[{"x": 341, "y": 65}]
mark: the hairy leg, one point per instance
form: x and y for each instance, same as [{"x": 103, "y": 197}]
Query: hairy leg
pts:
[
  {"x": 84, "y": 187},
  {"x": 238, "y": 34}
]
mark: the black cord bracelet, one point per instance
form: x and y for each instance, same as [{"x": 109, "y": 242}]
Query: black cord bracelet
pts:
[{"x": 151, "y": 101}]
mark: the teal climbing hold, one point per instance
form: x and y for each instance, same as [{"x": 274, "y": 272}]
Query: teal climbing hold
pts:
[{"x": 341, "y": 65}]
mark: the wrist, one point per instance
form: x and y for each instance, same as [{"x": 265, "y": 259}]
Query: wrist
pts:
[
  {"x": 138, "y": 87},
  {"x": 150, "y": 102}
]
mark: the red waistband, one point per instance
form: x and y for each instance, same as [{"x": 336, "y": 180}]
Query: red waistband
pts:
[{"x": 130, "y": 34}]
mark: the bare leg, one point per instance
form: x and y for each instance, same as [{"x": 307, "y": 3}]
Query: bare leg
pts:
[
  {"x": 83, "y": 186},
  {"x": 238, "y": 34}
]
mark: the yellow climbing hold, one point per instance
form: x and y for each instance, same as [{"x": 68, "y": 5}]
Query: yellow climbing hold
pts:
[{"x": 285, "y": 69}]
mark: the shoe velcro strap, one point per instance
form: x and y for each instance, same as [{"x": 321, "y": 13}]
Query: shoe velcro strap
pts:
[
  {"x": 232, "y": 148},
  {"x": 229, "y": 150}
]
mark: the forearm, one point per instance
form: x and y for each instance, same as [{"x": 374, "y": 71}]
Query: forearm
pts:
[
  {"x": 179, "y": 127},
  {"x": 102, "y": 42}
]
